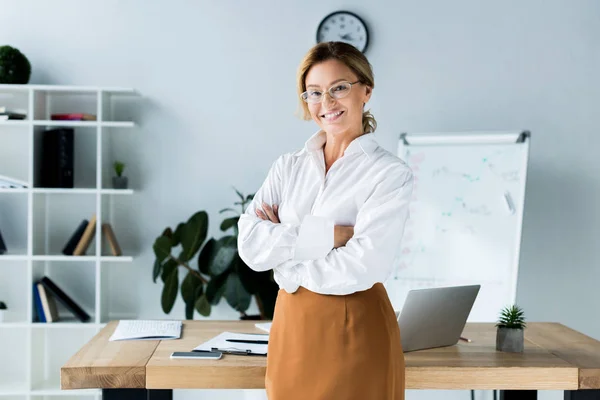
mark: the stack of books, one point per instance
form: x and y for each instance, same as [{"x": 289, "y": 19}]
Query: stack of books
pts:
[
  {"x": 12, "y": 113},
  {"x": 73, "y": 117},
  {"x": 45, "y": 294},
  {"x": 80, "y": 240},
  {"x": 8, "y": 182}
]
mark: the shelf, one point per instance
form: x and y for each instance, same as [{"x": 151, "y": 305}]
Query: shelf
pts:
[
  {"x": 13, "y": 389},
  {"x": 41, "y": 221},
  {"x": 67, "y": 88},
  {"x": 13, "y": 257},
  {"x": 62, "y": 257},
  {"x": 67, "y": 191},
  {"x": 67, "y": 324},
  {"x": 81, "y": 191},
  {"x": 14, "y": 190},
  {"x": 88, "y": 124},
  {"x": 14, "y": 325},
  {"x": 51, "y": 388},
  {"x": 16, "y": 122}
]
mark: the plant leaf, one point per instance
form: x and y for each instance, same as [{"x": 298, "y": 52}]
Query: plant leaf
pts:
[
  {"x": 202, "y": 306},
  {"x": 193, "y": 234},
  {"x": 239, "y": 194},
  {"x": 169, "y": 293},
  {"x": 176, "y": 239},
  {"x": 252, "y": 280},
  {"x": 225, "y": 251},
  {"x": 268, "y": 295},
  {"x": 189, "y": 310},
  {"x": 206, "y": 256},
  {"x": 188, "y": 287},
  {"x": 250, "y": 197},
  {"x": 227, "y": 209},
  {"x": 168, "y": 268},
  {"x": 237, "y": 297},
  {"x": 156, "y": 270},
  {"x": 162, "y": 248},
  {"x": 215, "y": 289},
  {"x": 229, "y": 222}
]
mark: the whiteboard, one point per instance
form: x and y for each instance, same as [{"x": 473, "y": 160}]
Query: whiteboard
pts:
[{"x": 466, "y": 216}]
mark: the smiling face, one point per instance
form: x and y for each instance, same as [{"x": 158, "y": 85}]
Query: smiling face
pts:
[{"x": 336, "y": 116}]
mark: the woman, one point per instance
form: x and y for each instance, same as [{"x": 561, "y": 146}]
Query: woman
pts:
[{"x": 329, "y": 220}]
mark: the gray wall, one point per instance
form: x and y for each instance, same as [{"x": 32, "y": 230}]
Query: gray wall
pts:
[{"x": 218, "y": 80}]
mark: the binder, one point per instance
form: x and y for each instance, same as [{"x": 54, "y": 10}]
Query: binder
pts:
[{"x": 255, "y": 344}]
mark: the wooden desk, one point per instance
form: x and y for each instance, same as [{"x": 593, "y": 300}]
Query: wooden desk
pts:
[{"x": 555, "y": 358}]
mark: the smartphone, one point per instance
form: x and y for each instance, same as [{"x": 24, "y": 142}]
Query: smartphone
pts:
[{"x": 211, "y": 355}]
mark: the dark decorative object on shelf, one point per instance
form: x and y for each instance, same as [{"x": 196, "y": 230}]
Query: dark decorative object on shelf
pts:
[
  {"x": 14, "y": 66},
  {"x": 219, "y": 270},
  {"x": 2, "y": 311},
  {"x": 2, "y": 245},
  {"x": 56, "y": 168},
  {"x": 119, "y": 181},
  {"x": 510, "y": 335}
]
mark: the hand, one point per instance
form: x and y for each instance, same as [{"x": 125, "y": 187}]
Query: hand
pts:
[
  {"x": 269, "y": 213},
  {"x": 341, "y": 235}
]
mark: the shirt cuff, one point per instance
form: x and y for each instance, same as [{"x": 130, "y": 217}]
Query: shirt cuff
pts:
[{"x": 315, "y": 239}]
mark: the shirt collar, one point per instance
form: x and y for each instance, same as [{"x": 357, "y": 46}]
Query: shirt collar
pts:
[{"x": 365, "y": 143}]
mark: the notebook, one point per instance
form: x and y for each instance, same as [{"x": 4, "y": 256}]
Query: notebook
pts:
[{"x": 137, "y": 329}]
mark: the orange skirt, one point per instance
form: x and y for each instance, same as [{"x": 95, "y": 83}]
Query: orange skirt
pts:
[{"x": 325, "y": 347}]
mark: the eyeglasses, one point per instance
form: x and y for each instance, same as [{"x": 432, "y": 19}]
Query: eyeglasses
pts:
[{"x": 337, "y": 91}]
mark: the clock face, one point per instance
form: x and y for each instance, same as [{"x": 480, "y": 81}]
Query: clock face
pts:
[{"x": 343, "y": 26}]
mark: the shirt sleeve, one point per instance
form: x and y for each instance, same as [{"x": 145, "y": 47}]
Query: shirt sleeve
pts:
[
  {"x": 368, "y": 257},
  {"x": 263, "y": 245}
]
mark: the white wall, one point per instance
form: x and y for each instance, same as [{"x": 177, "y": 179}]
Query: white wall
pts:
[{"x": 218, "y": 80}]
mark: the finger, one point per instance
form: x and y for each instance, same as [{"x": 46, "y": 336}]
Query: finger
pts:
[
  {"x": 269, "y": 212},
  {"x": 276, "y": 210},
  {"x": 260, "y": 214}
]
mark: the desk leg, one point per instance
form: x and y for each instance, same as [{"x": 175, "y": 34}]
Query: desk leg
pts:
[
  {"x": 137, "y": 394},
  {"x": 582, "y": 394},
  {"x": 518, "y": 395}
]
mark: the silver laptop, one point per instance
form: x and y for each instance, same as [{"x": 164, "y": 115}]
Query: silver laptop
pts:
[{"x": 435, "y": 317}]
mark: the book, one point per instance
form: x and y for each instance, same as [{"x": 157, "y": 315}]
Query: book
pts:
[
  {"x": 48, "y": 304},
  {"x": 64, "y": 299},
  {"x": 73, "y": 117},
  {"x": 2, "y": 245},
  {"x": 75, "y": 238},
  {"x": 146, "y": 330},
  {"x": 37, "y": 302},
  {"x": 86, "y": 238},
  {"x": 8, "y": 182},
  {"x": 111, "y": 239},
  {"x": 12, "y": 113}
]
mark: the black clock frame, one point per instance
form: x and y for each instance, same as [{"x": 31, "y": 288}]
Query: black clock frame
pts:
[{"x": 349, "y": 13}]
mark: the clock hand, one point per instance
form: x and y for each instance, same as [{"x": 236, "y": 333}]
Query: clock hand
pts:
[{"x": 346, "y": 36}]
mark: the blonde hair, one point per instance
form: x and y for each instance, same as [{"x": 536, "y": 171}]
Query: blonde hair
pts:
[{"x": 352, "y": 58}]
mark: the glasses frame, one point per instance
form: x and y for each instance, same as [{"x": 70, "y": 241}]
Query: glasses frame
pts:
[{"x": 304, "y": 95}]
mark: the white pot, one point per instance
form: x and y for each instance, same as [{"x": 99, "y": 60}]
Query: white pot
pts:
[{"x": 2, "y": 315}]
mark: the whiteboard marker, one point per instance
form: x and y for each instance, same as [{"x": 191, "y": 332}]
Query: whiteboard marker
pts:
[{"x": 509, "y": 203}]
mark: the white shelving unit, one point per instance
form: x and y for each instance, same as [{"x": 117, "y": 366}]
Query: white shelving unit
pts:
[{"x": 36, "y": 222}]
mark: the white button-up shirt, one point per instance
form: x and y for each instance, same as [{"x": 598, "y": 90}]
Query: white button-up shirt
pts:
[{"x": 368, "y": 188}]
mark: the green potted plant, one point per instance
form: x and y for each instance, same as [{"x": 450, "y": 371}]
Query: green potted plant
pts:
[
  {"x": 510, "y": 335},
  {"x": 14, "y": 66},
  {"x": 2, "y": 311},
  {"x": 119, "y": 181},
  {"x": 213, "y": 268}
]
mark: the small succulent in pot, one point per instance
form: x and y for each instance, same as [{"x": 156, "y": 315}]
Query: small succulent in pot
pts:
[
  {"x": 510, "y": 335},
  {"x": 119, "y": 181}
]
